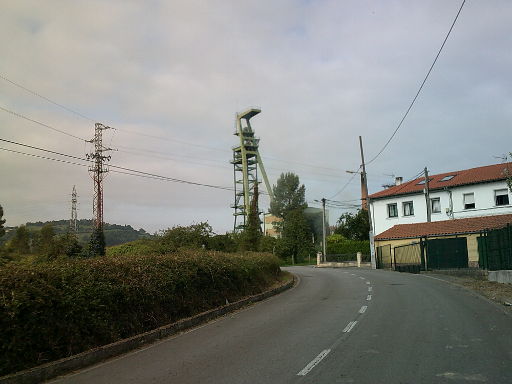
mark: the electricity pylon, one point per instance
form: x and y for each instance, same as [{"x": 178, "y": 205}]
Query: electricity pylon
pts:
[
  {"x": 98, "y": 171},
  {"x": 246, "y": 161},
  {"x": 73, "y": 222}
]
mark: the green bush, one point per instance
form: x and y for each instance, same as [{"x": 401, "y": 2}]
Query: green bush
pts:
[
  {"x": 337, "y": 244},
  {"x": 55, "y": 309}
]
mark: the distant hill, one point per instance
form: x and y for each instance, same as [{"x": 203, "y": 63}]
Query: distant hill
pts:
[{"x": 114, "y": 234}]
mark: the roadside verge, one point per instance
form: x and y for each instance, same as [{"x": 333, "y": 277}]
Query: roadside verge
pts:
[{"x": 59, "y": 367}]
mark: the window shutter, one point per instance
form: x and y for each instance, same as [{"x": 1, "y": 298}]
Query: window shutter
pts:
[{"x": 469, "y": 198}]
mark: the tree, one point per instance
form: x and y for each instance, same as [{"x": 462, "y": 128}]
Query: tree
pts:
[
  {"x": 289, "y": 195},
  {"x": 45, "y": 243},
  {"x": 354, "y": 226},
  {"x": 192, "y": 236},
  {"x": 67, "y": 244},
  {"x": 20, "y": 243},
  {"x": 97, "y": 243},
  {"x": 2, "y": 222},
  {"x": 296, "y": 237},
  {"x": 251, "y": 235}
]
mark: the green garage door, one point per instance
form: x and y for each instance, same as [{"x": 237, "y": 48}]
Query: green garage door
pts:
[{"x": 447, "y": 253}]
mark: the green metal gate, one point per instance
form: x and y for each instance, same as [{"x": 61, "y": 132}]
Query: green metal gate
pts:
[
  {"x": 495, "y": 249},
  {"x": 384, "y": 260},
  {"x": 447, "y": 253}
]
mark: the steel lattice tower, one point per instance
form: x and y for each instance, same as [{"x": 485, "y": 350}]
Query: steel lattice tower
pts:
[
  {"x": 73, "y": 222},
  {"x": 98, "y": 171},
  {"x": 246, "y": 161}
]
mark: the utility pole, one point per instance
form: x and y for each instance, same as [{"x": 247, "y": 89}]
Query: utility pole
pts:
[
  {"x": 366, "y": 203},
  {"x": 427, "y": 197},
  {"x": 324, "y": 231},
  {"x": 73, "y": 222},
  {"x": 98, "y": 171}
]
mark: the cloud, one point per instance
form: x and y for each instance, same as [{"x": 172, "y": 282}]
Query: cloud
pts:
[{"x": 323, "y": 72}]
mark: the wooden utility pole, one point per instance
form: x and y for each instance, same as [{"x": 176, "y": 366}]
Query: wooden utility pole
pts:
[
  {"x": 427, "y": 197},
  {"x": 365, "y": 202}
]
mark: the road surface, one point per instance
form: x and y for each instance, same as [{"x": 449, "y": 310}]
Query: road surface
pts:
[{"x": 337, "y": 326}]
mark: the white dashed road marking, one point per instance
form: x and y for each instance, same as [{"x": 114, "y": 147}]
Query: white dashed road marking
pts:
[
  {"x": 368, "y": 282},
  {"x": 349, "y": 327},
  {"x": 369, "y": 297},
  {"x": 363, "y": 309},
  {"x": 314, "y": 362},
  {"x": 370, "y": 289}
]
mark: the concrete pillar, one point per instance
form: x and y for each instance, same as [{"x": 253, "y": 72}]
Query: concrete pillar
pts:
[{"x": 318, "y": 258}]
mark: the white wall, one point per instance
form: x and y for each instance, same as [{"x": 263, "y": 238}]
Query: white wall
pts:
[{"x": 484, "y": 205}]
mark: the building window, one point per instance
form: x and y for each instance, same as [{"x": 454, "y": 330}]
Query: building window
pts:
[
  {"x": 501, "y": 197},
  {"x": 423, "y": 181},
  {"x": 392, "y": 210},
  {"x": 435, "y": 205},
  {"x": 469, "y": 200},
  {"x": 446, "y": 178},
  {"x": 408, "y": 208}
]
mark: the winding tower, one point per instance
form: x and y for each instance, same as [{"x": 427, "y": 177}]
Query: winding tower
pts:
[{"x": 246, "y": 161}]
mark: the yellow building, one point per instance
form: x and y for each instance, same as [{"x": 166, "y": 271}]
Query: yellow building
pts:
[{"x": 269, "y": 225}]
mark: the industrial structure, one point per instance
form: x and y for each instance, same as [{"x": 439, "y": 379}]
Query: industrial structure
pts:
[
  {"x": 246, "y": 161},
  {"x": 73, "y": 222},
  {"x": 98, "y": 171}
]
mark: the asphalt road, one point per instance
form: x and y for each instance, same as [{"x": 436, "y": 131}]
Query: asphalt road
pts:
[{"x": 336, "y": 326}]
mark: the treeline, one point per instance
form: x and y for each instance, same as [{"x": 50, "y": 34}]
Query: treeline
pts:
[
  {"x": 195, "y": 236},
  {"x": 46, "y": 241},
  {"x": 114, "y": 233},
  {"x": 40, "y": 245}
]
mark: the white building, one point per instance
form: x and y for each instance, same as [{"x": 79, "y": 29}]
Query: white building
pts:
[{"x": 481, "y": 191}]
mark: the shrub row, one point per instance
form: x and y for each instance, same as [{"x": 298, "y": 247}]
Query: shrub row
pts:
[
  {"x": 348, "y": 246},
  {"x": 56, "y": 309}
]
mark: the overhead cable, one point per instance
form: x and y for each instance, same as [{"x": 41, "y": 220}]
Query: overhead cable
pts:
[
  {"x": 420, "y": 88},
  {"x": 19, "y": 115}
]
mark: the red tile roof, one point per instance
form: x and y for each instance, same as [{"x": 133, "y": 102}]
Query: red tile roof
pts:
[
  {"x": 469, "y": 176},
  {"x": 445, "y": 227}
]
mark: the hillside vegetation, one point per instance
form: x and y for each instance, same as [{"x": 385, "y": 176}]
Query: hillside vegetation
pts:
[
  {"x": 54, "y": 309},
  {"x": 114, "y": 234}
]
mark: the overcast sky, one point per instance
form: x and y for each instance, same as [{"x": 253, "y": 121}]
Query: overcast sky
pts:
[{"x": 322, "y": 72}]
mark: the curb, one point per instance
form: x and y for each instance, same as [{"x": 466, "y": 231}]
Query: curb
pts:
[{"x": 59, "y": 367}]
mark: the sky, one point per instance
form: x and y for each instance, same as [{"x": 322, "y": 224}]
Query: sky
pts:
[{"x": 170, "y": 76}]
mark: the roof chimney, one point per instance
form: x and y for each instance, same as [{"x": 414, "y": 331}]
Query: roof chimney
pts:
[{"x": 398, "y": 180}]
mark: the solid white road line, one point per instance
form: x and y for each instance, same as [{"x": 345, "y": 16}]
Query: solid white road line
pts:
[
  {"x": 349, "y": 327},
  {"x": 363, "y": 309},
  {"x": 369, "y": 297},
  {"x": 314, "y": 362},
  {"x": 370, "y": 289}
]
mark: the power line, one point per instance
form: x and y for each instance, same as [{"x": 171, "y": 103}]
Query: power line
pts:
[
  {"x": 346, "y": 185},
  {"x": 133, "y": 171},
  {"x": 420, "y": 88},
  {"x": 68, "y": 109},
  {"x": 19, "y": 115},
  {"x": 45, "y": 98}
]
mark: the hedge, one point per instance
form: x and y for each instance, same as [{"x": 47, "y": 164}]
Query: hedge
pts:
[
  {"x": 345, "y": 246},
  {"x": 56, "y": 309}
]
